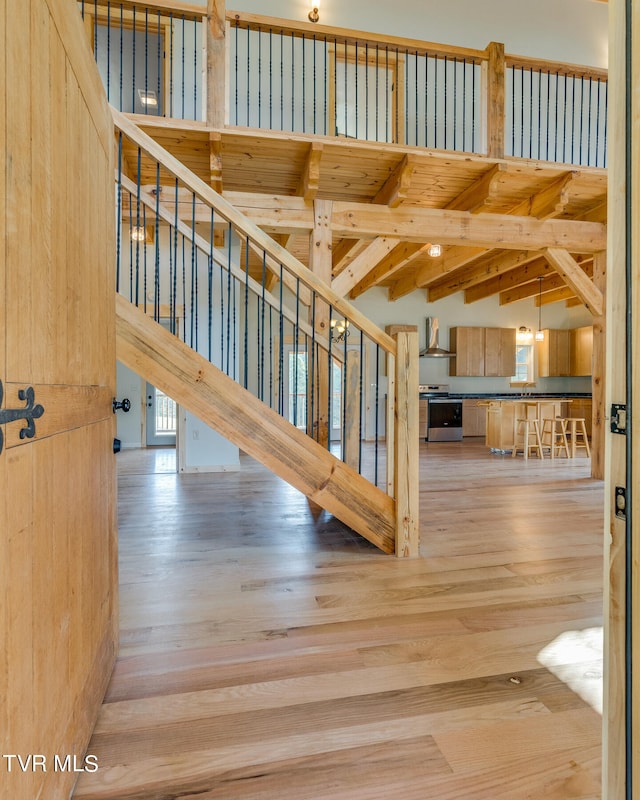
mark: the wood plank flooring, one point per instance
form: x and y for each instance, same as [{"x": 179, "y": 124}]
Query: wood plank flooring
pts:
[{"x": 270, "y": 654}]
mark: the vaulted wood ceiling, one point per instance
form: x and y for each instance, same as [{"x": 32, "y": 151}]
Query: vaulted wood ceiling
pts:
[{"x": 502, "y": 223}]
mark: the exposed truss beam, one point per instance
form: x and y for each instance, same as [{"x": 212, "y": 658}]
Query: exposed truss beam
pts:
[
  {"x": 461, "y": 227},
  {"x": 488, "y": 267},
  {"x": 479, "y": 195},
  {"x": 551, "y": 282},
  {"x": 574, "y": 277},
  {"x": 341, "y": 253},
  {"x": 363, "y": 264},
  {"x": 399, "y": 258}
]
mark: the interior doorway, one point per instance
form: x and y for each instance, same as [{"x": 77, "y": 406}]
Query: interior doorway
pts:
[{"x": 162, "y": 418}]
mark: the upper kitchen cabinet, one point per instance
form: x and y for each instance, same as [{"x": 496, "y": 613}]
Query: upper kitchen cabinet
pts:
[
  {"x": 482, "y": 352},
  {"x": 582, "y": 350},
  {"x": 565, "y": 353},
  {"x": 554, "y": 354}
]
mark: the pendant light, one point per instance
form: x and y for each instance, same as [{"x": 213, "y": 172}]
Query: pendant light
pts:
[{"x": 540, "y": 332}]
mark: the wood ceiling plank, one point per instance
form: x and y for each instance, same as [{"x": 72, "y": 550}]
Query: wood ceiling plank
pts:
[{"x": 491, "y": 266}]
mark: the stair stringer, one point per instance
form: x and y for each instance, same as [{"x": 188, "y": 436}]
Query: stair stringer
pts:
[{"x": 165, "y": 361}]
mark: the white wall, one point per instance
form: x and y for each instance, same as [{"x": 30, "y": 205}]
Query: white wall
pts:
[
  {"x": 572, "y": 31},
  {"x": 452, "y": 311}
]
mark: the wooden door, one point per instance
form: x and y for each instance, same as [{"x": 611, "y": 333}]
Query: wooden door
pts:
[{"x": 57, "y": 368}]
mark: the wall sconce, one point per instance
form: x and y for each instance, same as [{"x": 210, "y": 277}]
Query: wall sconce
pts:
[
  {"x": 540, "y": 332},
  {"x": 524, "y": 335},
  {"x": 435, "y": 250},
  {"x": 339, "y": 329},
  {"x": 142, "y": 235},
  {"x": 314, "y": 14}
]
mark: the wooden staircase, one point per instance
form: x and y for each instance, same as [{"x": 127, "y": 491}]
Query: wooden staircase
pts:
[{"x": 388, "y": 519}]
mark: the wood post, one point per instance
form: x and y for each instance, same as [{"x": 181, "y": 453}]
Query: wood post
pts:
[
  {"x": 320, "y": 265},
  {"x": 495, "y": 100},
  {"x": 216, "y": 64},
  {"x": 623, "y": 186},
  {"x": 406, "y": 440}
]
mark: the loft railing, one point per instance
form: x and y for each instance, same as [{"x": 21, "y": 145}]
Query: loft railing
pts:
[
  {"x": 167, "y": 58},
  {"x": 191, "y": 260}
]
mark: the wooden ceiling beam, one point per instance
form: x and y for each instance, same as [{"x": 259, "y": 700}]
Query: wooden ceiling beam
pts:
[
  {"x": 461, "y": 227},
  {"x": 341, "y": 253},
  {"x": 574, "y": 277},
  {"x": 509, "y": 279},
  {"x": 396, "y": 187},
  {"x": 474, "y": 274},
  {"x": 555, "y": 296},
  {"x": 551, "y": 282},
  {"x": 363, "y": 264},
  {"x": 400, "y": 257}
]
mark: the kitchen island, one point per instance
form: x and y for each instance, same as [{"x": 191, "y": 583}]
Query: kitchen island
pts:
[{"x": 502, "y": 415}]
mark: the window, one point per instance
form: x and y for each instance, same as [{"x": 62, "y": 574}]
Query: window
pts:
[{"x": 524, "y": 364}]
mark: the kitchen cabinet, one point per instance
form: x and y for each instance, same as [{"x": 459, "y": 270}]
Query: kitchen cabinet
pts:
[
  {"x": 582, "y": 350},
  {"x": 482, "y": 352},
  {"x": 474, "y": 418},
  {"x": 565, "y": 353},
  {"x": 581, "y": 407},
  {"x": 554, "y": 354}
]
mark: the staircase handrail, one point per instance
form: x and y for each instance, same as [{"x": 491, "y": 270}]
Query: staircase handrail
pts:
[{"x": 214, "y": 200}]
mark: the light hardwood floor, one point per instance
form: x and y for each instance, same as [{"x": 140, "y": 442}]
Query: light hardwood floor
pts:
[{"x": 270, "y": 655}]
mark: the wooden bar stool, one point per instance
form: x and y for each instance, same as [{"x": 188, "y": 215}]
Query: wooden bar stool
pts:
[
  {"x": 527, "y": 438},
  {"x": 576, "y": 433},
  {"x": 554, "y": 436}
]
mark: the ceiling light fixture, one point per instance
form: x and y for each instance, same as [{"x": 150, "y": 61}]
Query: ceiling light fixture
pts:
[
  {"x": 540, "y": 332},
  {"x": 435, "y": 250}
]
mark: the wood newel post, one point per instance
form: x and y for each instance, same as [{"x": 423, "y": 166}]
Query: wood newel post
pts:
[
  {"x": 405, "y": 440},
  {"x": 495, "y": 99},
  {"x": 216, "y": 63},
  {"x": 320, "y": 265}
]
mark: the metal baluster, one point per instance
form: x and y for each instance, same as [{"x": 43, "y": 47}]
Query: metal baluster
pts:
[
  {"x": 605, "y": 116},
  {"x": 573, "y": 116},
  {"x": 555, "y": 122},
  {"x": 546, "y": 145},
  {"x": 246, "y": 313},
  {"x": 296, "y": 329},
  {"x": 210, "y": 287},
  {"x": 133, "y": 62},
  {"x": 377, "y": 92},
  {"x": 597, "y": 123},
  {"x": 228, "y": 272},
  {"x": 464, "y": 104},
  {"x": 281, "y": 81},
  {"x": 293, "y": 84},
  {"x": 311, "y": 420},
  {"x": 356, "y": 70},
  {"x": 182, "y": 55},
  {"x": 194, "y": 277},
  {"x": 195, "y": 69},
  {"x": 530, "y": 112},
  {"x": 161, "y": 108},
  {"x": 435, "y": 106},
  {"x": 346, "y": 90},
  {"x": 259, "y": 77},
  {"x": 144, "y": 261},
  {"x": 146, "y": 58},
  {"x": 539, "y": 108},
  {"x": 121, "y": 55},
  {"x": 426, "y": 99},
  {"x": 361, "y": 405},
  {"x": 174, "y": 293},
  {"x": 377, "y": 415},
  {"x": 589, "y": 114},
  {"x": 119, "y": 215},
  {"x": 247, "y": 119},
  {"x": 446, "y": 114},
  {"x": 564, "y": 142},
  {"x": 366, "y": 90},
  {"x": 262, "y": 322},
  {"x": 270, "y": 78},
  {"x": 171, "y": 63},
  {"x": 329, "y": 381},
  {"x": 137, "y": 294},
  {"x": 108, "y": 52},
  {"x": 235, "y": 74},
  {"x": 304, "y": 84},
  {"x": 343, "y": 423},
  {"x": 281, "y": 349}
]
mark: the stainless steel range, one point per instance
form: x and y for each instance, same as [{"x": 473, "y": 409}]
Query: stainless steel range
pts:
[{"x": 444, "y": 413}]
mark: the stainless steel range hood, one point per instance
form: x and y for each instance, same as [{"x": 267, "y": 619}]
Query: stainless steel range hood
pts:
[{"x": 433, "y": 349}]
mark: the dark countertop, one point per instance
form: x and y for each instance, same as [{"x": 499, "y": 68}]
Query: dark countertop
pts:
[{"x": 508, "y": 396}]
